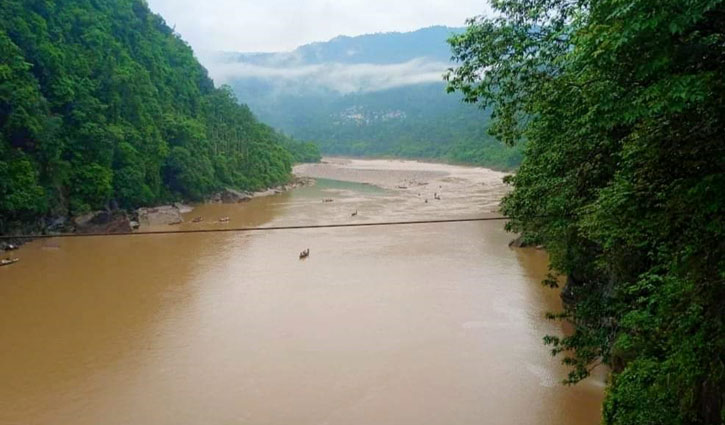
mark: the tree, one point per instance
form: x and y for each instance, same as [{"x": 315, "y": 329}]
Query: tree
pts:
[
  {"x": 101, "y": 101},
  {"x": 622, "y": 105}
]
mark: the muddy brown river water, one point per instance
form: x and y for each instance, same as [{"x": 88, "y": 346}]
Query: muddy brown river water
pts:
[{"x": 421, "y": 324}]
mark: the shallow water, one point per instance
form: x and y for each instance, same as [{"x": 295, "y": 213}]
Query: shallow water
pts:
[{"x": 420, "y": 324}]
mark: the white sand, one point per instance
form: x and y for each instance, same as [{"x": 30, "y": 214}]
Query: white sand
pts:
[{"x": 464, "y": 191}]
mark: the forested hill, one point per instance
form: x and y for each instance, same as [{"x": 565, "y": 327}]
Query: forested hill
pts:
[
  {"x": 376, "y": 94},
  {"x": 622, "y": 104},
  {"x": 101, "y": 103}
]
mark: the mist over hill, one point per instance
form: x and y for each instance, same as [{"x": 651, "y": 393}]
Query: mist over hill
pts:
[
  {"x": 380, "y": 48},
  {"x": 371, "y": 95}
]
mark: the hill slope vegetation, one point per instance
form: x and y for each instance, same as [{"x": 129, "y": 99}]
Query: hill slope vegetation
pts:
[
  {"x": 372, "y": 95},
  {"x": 623, "y": 180},
  {"x": 101, "y": 103}
]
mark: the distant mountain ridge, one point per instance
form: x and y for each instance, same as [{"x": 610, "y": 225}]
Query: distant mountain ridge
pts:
[
  {"x": 379, "y": 48},
  {"x": 376, "y": 94},
  {"x": 344, "y": 64}
]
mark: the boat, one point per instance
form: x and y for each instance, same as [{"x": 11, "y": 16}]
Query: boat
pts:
[
  {"x": 197, "y": 219},
  {"x": 9, "y": 261},
  {"x": 305, "y": 254},
  {"x": 224, "y": 220},
  {"x": 328, "y": 200}
]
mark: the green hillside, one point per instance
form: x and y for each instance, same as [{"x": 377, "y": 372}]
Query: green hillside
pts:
[
  {"x": 101, "y": 103},
  {"x": 622, "y": 104},
  {"x": 372, "y": 95}
]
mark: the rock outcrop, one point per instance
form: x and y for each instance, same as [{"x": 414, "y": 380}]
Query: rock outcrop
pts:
[
  {"x": 183, "y": 208},
  {"x": 519, "y": 242},
  {"x": 57, "y": 225},
  {"x": 300, "y": 182},
  {"x": 158, "y": 216},
  {"x": 11, "y": 245},
  {"x": 231, "y": 196},
  {"x": 103, "y": 222},
  {"x": 294, "y": 184}
]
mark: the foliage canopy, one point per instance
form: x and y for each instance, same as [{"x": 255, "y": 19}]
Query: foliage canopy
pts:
[
  {"x": 622, "y": 104},
  {"x": 101, "y": 103}
]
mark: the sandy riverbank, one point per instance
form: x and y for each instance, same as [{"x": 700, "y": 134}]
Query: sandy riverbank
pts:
[{"x": 462, "y": 190}]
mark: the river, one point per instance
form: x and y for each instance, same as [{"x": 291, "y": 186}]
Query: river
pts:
[{"x": 417, "y": 324}]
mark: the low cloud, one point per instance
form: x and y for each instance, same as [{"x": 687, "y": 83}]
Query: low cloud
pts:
[
  {"x": 342, "y": 78},
  {"x": 280, "y": 25}
]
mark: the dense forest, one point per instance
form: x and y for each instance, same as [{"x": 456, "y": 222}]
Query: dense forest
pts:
[
  {"x": 370, "y": 95},
  {"x": 101, "y": 103},
  {"x": 418, "y": 121},
  {"x": 622, "y": 104}
]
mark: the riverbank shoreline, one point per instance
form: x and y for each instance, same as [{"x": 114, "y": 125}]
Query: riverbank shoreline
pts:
[
  {"x": 142, "y": 311},
  {"x": 441, "y": 161},
  {"x": 424, "y": 189},
  {"x": 120, "y": 220}
]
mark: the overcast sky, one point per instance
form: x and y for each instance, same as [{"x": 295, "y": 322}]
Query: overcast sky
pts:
[{"x": 282, "y": 25}]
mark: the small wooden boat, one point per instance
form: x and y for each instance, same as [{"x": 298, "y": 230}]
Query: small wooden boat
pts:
[
  {"x": 327, "y": 200},
  {"x": 197, "y": 219},
  {"x": 354, "y": 214},
  {"x": 304, "y": 254},
  {"x": 224, "y": 220},
  {"x": 9, "y": 261}
]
